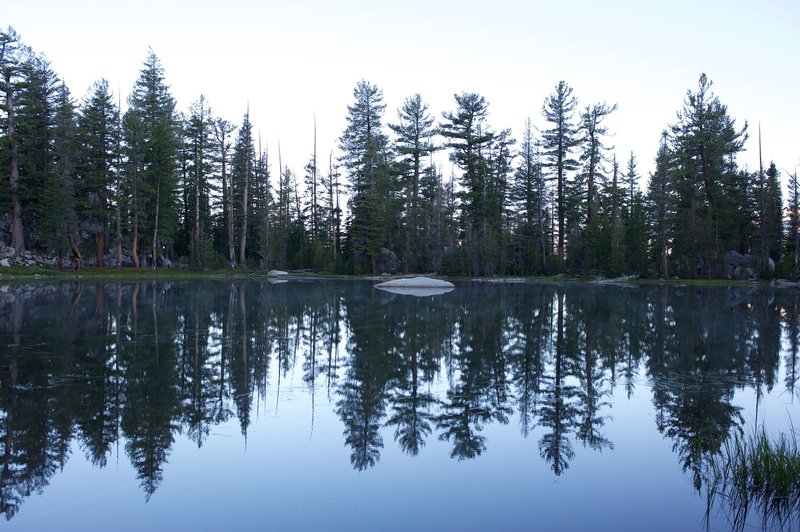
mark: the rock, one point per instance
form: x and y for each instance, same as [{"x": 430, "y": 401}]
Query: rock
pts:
[
  {"x": 415, "y": 282},
  {"x": 4, "y": 263},
  {"x": 387, "y": 261},
  {"x": 416, "y": 286},
  {"x": 738, "y": 266},
  {"x": 277, "y": 273}
]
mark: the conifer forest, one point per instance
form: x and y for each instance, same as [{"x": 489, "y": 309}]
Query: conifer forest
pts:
[{"x": 147, "y": 182}]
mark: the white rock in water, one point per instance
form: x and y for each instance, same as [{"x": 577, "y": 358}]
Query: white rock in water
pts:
[
  {"x": 277, "y": 273},
  {"x": 415, "y": 282}
]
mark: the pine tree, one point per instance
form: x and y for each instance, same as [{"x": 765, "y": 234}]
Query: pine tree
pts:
[
  {"x": 592, "y": 131},
  {"x": 634, "y": 220},
  {"x": 198, "y": 189},
  {"x": 660, "y": 206},
  {"x": 222, "y": 147},
  {"x": 243, "y": 164},
  {"x": 557, "y": 144},
  {"x": 498, "y": 207},
  {"x": 366, "y": 159},
  {"x": 615, "y": 227},
  {"x": 36, "y": 113},
  {"x": 10, "y": 67},
  {"x": 286, "y": 233},
  {"x": 470, "y": 139},
  {"x": 97, "y": 137},
  {"x": 59, "y": 220},
  {"x": 772, "y": 218},
  {"x": 529, "y": 192},
  {"x": 332, "y": 212},
  {"x": 313, "y": 208},
  {"x": 152, "y": 111},
  {"x": 705, "y": 143},
  {"x": 792, "y": 248},
  {"x": 133, "y": 169},
  {"x": 262, "y": 207},
  {"x": 414, "y": 142}
]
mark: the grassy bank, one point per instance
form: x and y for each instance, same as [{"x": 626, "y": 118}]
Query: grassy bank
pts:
[
  {"x": 17, "y": 273},
  {"x": 756, "y": 473},
  {"x": 32, "y": 273}
]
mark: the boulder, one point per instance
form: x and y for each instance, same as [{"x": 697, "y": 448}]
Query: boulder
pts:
[
  {"x": 738, "y": 266},
  {"x": 415, "y": 282},
  {"x": 277, "y": 273},
  {"x": 4, "y": 263},
  {"x": 387, "y": 261}
]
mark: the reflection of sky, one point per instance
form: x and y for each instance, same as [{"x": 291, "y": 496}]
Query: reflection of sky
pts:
[
  {"x": 292, "y": 474},
  {"x": 287, "y": 477}
]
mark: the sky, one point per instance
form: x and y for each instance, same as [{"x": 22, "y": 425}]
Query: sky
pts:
[{"x": 294, "y": 61}]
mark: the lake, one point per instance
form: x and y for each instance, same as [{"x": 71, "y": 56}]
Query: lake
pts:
[{"x": 333, "y": 405}]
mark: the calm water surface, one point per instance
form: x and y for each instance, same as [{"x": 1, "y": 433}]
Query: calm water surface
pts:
[{"x": 337, "y": 406}]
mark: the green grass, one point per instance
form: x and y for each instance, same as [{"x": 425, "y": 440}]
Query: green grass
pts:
[
  {"x": 125, "y": 274},
  {"x": 698, "y": 282},
  {"x": 27, "y": 273},
  {"x": 757, "y": 473}
]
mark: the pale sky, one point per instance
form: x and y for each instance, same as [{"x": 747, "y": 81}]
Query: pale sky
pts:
[{"x": 293, "y": 59}]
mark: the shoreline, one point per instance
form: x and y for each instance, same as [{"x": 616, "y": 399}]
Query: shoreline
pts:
[{"x": 22, "y": 274}]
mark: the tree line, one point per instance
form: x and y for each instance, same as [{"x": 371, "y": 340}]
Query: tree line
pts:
[{"x": 152, "y": 185}]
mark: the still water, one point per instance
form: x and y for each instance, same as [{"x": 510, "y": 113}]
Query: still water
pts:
[{"x": 337, "y": 406}]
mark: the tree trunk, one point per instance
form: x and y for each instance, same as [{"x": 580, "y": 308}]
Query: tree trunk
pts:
[
  {"x": 135, "y": 237},
  {"x": 100, "y": 246},
  {"x": 155, "y": 225},
  {"x": 17, "y": 231},
  {"x": 333, "y": 213},
  {"x": 229, "y": 217},
  {"x": 561, "y": 213},
  {"x": 76, "y": 253},
  {"x": 243, "y": 238},
  {"x": 117, "y": 208},
  {"x": 118, "y": 239},
  {"x": 196, "y": 235}
]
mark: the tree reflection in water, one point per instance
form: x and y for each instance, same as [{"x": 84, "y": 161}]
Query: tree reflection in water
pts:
[{"x": 135, "y": 364}]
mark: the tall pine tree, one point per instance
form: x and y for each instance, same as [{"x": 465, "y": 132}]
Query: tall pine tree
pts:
[
  {"x": 366, "y": 158},
  {"x": 558, "y": 142},
  {"x": 469, "y": 138},
  {"x": 152, "y": 138},
  {"x": 414, "y": 143},
  {"x": 97, "y": 138},
  {"x": 705, "y": 143}
]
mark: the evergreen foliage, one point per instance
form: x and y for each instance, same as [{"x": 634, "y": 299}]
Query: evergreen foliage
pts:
[{"x": 166, "y": 187}]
